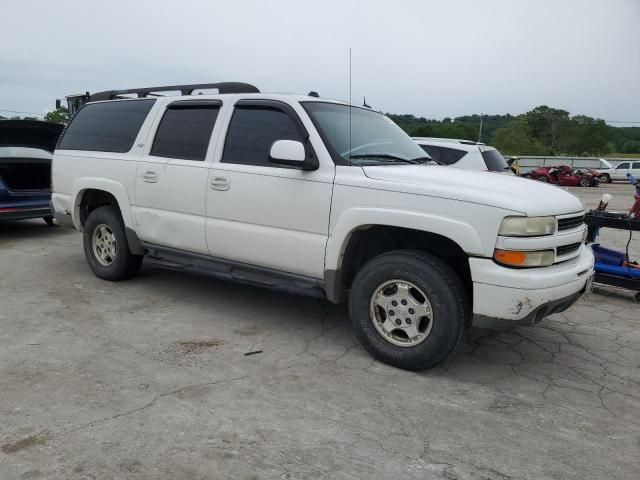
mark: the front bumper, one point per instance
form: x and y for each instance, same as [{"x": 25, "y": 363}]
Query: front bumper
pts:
[{"x": 526, "y": 296}]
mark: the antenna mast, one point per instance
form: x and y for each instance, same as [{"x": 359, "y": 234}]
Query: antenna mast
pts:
[{"x": 350, "y": 106}]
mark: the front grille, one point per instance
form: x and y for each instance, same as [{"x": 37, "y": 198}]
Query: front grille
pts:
[
  {"x": 567, "y": 249},
  {"x": 570, "y": 222}
]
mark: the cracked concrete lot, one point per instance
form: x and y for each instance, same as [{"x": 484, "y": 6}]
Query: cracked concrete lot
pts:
[{"x": 148, "y": 379}]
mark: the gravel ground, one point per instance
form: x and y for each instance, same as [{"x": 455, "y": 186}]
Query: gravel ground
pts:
[{"x": 149, "y": 379}]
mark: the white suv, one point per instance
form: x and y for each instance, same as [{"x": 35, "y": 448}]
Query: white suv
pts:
[
  {"x": 464, "y": 154},
  {"x": 621, "y": 170},
  {"x": 317, "y": 197}
]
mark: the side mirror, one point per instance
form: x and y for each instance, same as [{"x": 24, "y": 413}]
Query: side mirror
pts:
[{"x": 291, "y": 153}]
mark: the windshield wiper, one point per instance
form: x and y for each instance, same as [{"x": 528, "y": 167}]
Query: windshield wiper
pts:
[{"x": 384, "y": 156}]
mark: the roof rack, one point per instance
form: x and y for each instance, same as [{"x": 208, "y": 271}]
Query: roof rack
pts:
[{"x": 223, "y": 87}]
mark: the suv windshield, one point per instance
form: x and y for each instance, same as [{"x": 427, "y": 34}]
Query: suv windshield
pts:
[
  {"x": 364, "y": 137},
  {"x": 494, "y": 161}
]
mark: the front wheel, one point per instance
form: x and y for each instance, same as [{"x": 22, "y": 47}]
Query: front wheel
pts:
[
  {"x": 604, "y": 178},
  {"x": 106, "y": 248},
  {"x": 585, "y": 182},
  {"x": 408, "y": 309},
  {"x": 542, "y": 179},
  {"x": 48, "y": 221}
]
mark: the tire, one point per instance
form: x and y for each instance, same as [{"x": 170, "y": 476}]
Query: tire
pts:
[
  {"x": 542, "y": 179},
  {"x": 584, "y": 182},
  {"x": 104, "y": 233},
  {"x": 605, "y": 178},
  {"x": 443, "y": 291},
  {"x": 48, "y": 221}
]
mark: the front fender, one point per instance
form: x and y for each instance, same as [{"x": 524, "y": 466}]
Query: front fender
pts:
[
  {"x": 81, "y": 185},
  {"x": 461, "y": 233}
]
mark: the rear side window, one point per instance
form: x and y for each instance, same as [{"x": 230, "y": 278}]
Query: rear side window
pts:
[
  {"x": 106, "y": 126},
  {"x": 451, "y": 155},
  {"x": 184, "y": 132},
  {"x": 252, "y": 131},
  {"x": 636, "y": 165},
  {"x": 444, "y": 155},
  {"x": 434, "y": 152},
  {"x": 494, "y": 161}
]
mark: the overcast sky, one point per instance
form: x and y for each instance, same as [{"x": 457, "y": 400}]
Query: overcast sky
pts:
[{"x": 432, "y": 58}]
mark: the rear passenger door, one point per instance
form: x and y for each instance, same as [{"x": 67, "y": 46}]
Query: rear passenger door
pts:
[
  {"x": 172, "y": 177},
  {"x": 261, "y": 213}
]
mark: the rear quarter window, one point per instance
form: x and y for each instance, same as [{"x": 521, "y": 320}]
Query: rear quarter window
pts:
[
  {"x": 444, "y": 155},
  {"x": 106, "y": 126},
  {"x": 494, "y": 161}
]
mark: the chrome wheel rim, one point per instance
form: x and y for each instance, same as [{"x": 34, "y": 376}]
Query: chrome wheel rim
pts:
[
  {"x": 401, "y": 313},
  {"x": 103, "y": 244}
]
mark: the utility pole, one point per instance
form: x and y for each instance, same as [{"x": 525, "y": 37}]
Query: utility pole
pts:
[{"x": 480, "y": 130}]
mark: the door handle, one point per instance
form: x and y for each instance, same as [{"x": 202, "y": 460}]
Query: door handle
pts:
[
  {"x": 220, "y": 183},
  {"x": 150, "y": 176}
]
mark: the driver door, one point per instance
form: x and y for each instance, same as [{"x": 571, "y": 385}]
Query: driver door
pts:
[{"x": 261, "y": 213}]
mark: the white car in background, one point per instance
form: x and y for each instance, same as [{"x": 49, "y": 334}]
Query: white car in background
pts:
[
  {"x": 464, "y": 154},
  {"x": 619, "y": 172}
]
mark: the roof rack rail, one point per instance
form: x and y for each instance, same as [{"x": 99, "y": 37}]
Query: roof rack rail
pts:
[{"x": 223, "y": 87}]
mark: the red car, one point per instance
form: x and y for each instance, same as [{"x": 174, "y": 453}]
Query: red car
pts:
[{"x": 564, "y": 176}]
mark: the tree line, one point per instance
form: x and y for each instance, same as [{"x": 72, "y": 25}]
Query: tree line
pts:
[{"x": 541, "y": 131}]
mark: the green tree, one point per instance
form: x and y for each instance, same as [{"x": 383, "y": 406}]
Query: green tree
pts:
[
  {"x": 545, "y": 123},
  {"x": 59, "y": 115},
  {"x": 516, "y": 139},
  {"x": 584, "y": 135}
]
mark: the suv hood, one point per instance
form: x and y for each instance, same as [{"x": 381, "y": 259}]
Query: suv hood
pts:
[
  {"x": 487, "y": 188},
  {"x": 30, "y": 133}
]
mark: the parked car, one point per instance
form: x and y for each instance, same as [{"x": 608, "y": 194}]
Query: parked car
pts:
[
  {"x": 317, "y": 197},
  {"x": 620, "y": 171},
  {"x": 564, "y": 176},
  {"x": 26, "y": 150},
  {"x": 464, "y": 154}
]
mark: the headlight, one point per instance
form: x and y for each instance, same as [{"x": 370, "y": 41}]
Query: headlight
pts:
[
  {"x": 527, "y": 226},
  {"x": 514, "y": 258}
]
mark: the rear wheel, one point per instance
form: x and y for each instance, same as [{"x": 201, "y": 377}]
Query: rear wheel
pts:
[
  {"x": 48, "y": 221},
  {"x": 585, "y": 182},
  {"x": 542, "y": 179},
  {"x": 106, "y": 248},
  {"x": 408, "y": 309}
]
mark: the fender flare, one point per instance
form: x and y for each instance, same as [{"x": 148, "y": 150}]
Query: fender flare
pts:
[
  {"x": 119, "y": 192},
  {"x": 116, "y": 189},
  {"x": 463, "y": 234}
]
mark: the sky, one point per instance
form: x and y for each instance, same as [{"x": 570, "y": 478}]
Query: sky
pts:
[{"x": 431, "y": 58}]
